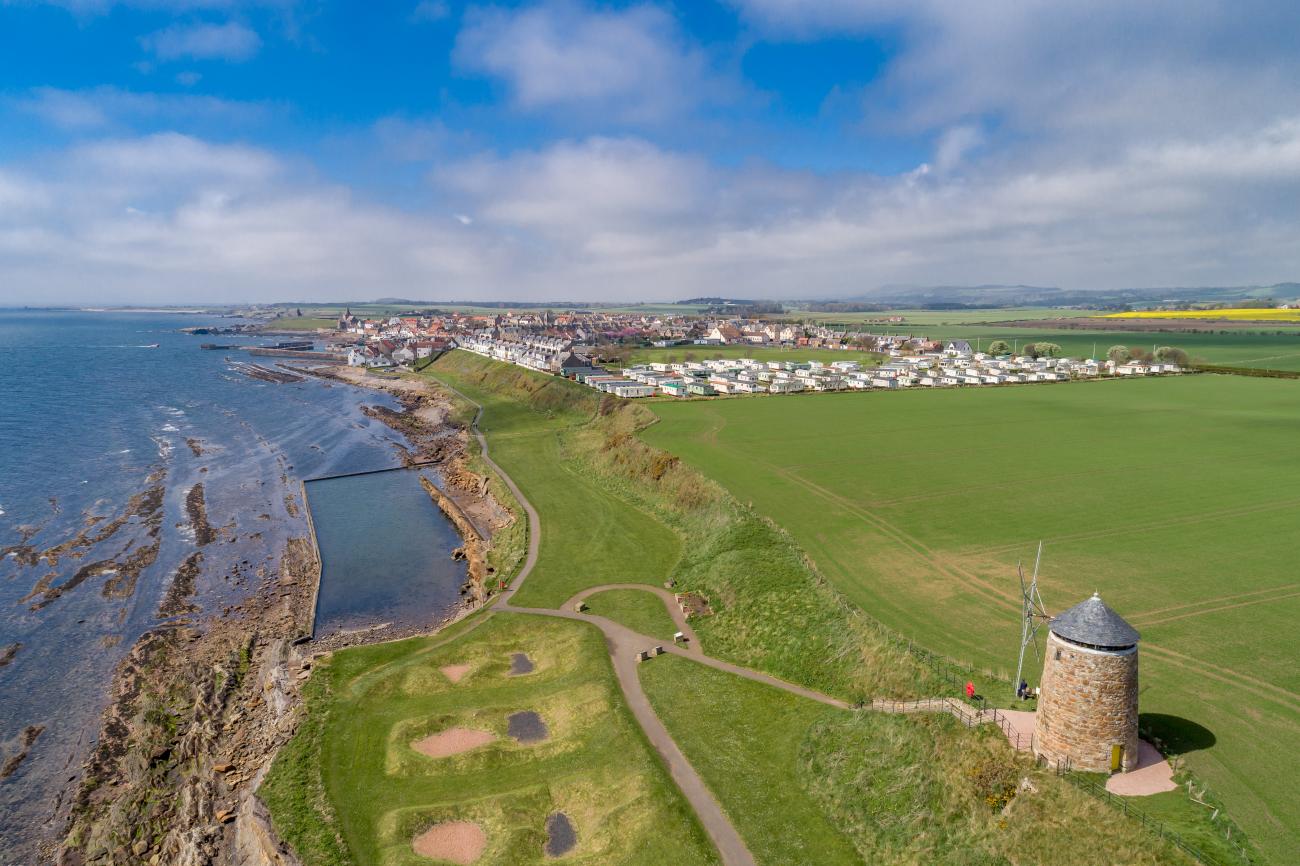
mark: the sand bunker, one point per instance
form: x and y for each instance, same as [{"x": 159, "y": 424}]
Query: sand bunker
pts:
[
  {"x": 452, "y": 741},
  {"x": 457, "y": 841},
  {"x": 560, "y": 837},
  {"x": 520, "y": 663},
  {"x": 455, "y": 673},
  {"x": 526, "y": 727}
]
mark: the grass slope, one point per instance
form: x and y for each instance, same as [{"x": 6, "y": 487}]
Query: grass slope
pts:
[
  {"x": 591, "y": 537},
  {"x": 807, "y": 783},
  {"x": 348, "y": 789},
  {"x": 617, "y": 511},
  {"x": 1176, "y": 498}
]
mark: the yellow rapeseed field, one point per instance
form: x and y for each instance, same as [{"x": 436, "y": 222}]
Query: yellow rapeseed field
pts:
[{"x": 1242, "y": 315}]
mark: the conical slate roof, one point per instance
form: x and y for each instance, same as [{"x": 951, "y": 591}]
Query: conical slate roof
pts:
[{"x": 1091, "y": 622}]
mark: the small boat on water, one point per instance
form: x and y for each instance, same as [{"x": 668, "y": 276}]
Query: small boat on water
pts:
[{"x": 150, "y": 346}]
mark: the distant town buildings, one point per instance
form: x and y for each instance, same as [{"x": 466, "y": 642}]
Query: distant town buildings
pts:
[{"x": 568, "y": 344}]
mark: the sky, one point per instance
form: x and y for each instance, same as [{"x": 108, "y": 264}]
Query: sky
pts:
[{"x": 205, "y": 151}]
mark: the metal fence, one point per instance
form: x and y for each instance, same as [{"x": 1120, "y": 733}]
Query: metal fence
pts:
[{"x": 1154, "y": 825}]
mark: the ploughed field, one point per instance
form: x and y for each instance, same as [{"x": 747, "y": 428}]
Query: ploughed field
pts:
[{"x": 1177, "y": 499}]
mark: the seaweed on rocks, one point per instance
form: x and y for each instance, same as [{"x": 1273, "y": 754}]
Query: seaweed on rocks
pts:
[
  {"x": 25, "y": 741},
  {"x": 196, "y": 509}
]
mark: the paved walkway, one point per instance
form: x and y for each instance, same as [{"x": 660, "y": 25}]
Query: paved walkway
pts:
[
  {"x": 1153, "y": 775},
  {"x": 624, "y": 644}
]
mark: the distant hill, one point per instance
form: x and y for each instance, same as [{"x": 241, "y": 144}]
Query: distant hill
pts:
[{"x": 1051, "y": 296}]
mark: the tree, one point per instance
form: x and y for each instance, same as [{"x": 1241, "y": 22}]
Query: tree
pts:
[
  {"x": 1119, "y": 354},
  {"x": 1171, "y": 355},
  {"x": 999, "y": 347},
  {"x": 1047, "y": 350}
]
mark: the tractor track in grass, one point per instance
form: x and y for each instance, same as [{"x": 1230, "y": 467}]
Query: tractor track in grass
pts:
[
  {"x": 1260, "y": 688},
  {"x": 1184, "y": 520},
  {"x": 1234, "y": 597},
  {"x": 1194, "y": 613}
]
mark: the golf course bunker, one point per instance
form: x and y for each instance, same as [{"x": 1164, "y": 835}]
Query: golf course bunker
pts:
[
  {"x": 452, "y": 741},
  {"x": 520, "y": 663},
  {"x": 455, "y": 673},
  {"x": 560, "y": 837},
  {"x": 526, "y": 727},
  {"x": 457, "y": 841}
]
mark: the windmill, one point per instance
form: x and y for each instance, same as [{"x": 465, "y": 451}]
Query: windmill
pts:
[{"x": 1032, "y": 613}]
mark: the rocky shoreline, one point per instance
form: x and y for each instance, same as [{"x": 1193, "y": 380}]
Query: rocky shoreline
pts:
[{"x": 200, "y": 706}]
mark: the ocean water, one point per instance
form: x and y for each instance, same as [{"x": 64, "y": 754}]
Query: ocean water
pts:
[
  {"x": 89, "y": 420},
  {"x": 383, "y": 547}
]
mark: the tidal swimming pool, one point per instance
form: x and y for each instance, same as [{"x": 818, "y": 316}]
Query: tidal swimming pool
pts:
[{"x": 385, "y": 552}]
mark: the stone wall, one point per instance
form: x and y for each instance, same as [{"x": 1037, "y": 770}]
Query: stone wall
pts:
[{"x": 1089, "y": 702}]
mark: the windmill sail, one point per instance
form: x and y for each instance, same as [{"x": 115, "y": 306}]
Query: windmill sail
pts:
[{"x": 1032, "y": 614}]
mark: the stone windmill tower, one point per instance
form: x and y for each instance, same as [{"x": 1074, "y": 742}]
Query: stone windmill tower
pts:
[{"x": 1088, "y": 706}]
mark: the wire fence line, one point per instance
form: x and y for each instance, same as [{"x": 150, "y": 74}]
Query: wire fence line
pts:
[
  {"x": 955, "y": 675},
  {"x": 972, "y": 717}
]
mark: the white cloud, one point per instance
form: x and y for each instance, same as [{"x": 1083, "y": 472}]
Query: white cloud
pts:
[
  {"x": 162, "y": 157},
  {"x": 620, "y": 218},
  {"x": 108, "y": 106},
  {"x": 1094, "y": 74},
  {"x": 631, "y": 64},
  {"x": 230, "y": 41},
  {"x": 430, "y": 10}
]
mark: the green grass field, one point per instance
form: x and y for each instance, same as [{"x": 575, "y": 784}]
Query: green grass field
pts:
[
  {"x": 808, "y": 783},
  {"x": 1235, "y": 349},
  {"x": 643, "y": 612},
  {"x": 948, "y": 317},
  {"x": 300, "y": 323},
  {"x": 349, "y": 789},
  {"x": 617, "y": 511},
  {"x": 592, "y": 536},
  {"x": 1176, "y": 498}
]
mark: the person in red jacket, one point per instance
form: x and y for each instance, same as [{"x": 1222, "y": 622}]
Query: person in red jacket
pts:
[{"x": 970, "y": 690}]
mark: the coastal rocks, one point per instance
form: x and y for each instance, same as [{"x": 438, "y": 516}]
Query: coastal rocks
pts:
[
  {"x": 144, "y": 508},
  {"x": 197, "y": 715},
  {"x": 176, "y": 601},
  {"x": 18, "y": 748},
  {"x": 8, "y": 653},
  {"x": 196, "y": 510},
  {"x": 474, "y": 550}
]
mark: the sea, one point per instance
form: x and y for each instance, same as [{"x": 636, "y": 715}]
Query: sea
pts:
[{"x": 108, "y": 421}]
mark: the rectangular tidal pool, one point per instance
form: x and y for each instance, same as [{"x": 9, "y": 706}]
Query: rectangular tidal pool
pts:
[{"x": 385, "y": 551}]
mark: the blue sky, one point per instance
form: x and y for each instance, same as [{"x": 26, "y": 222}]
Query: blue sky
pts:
[{"x": 209, "y": 150}]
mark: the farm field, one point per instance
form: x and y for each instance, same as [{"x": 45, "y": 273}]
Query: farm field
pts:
[
  {"x": 809, "y": 783},
  {"x": 1236, "y": 349},
  {"x": 1177, "y": 499},
  {"x": 1236, "y": 314},
  {"x": 300, "y": 323},
  {"x": 949, "y": 317},
  {"x": 350, "y": 788},
  {"x": 758, "y": 353}
]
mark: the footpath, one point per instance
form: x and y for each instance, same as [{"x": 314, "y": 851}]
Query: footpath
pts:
[{"x": 626, "y": 648}]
